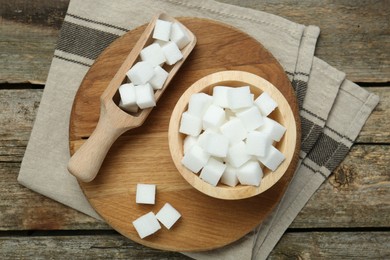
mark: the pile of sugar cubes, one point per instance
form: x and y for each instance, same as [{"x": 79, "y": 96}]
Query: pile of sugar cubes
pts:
[
  {"x": 149, "y": 223},
  {"x": 230, "y": 136},
  {"x": 148, "y": 74}
]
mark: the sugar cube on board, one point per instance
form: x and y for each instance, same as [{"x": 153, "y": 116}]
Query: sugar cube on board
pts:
[
  {"x": 159, "y": 78},
  {"x": 145, "y": 96},
  {"x": 146, "y": 225},
  {"x": 140, "y": 73},
  {"x": 250, "y": 173},
  {"x": 188, "y": 142},
  {"x": 234, "y": 129},
  {"x": 229, "y": 176},
  {"x": 273, "y": 129},
  {"x": 213, "y": 117},
  {"x": 153, "y": 54},
  {"x": 198, "y": 104},
  {"x": 251, "y": 118},
  {"x": 257, "y": 143},
  {"x": 212, "y": 171},
  {"x": 172, "y": 53},
  {"x": 220, "y": 94},
  {"x": 195, "y": 158},
  {"x": 179, "y": 35},
  {"x": 237, "y": 154},
  {"x": 216, "y": 144},
  {"x": 168, "y": 215},
  {"x": 239, "y": 97},
  {"x": 162, "y": 30},
  {"x": 190, "y": 125},
  {"x": 265, "y": 104},
  {"x": 272, "y": 159},
  {"x": 145, "y": 194}
]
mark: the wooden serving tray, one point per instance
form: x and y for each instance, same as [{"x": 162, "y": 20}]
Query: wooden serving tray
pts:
[{"x": 142, "y": 155}]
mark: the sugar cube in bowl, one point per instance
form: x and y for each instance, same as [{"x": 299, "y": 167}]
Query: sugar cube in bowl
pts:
[{"x": 255, "y": 179}]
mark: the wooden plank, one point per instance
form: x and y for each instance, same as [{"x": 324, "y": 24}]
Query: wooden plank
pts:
[
  {"x": 355, "y": 37},
  {"x": 293, "y": 245},
  {"x": 356, "y": 195}
]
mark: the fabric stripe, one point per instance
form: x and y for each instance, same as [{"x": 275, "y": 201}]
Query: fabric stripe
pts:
[
  {"x": 83, "y": 41},
  {"x": 71, "y": 60},
  {"x": 97, "y": 22},
  {"x": 300, "y": 87},
  {"x": 310, "y": 134}
]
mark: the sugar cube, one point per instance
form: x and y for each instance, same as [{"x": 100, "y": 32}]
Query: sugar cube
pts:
[
  {"x": 140, "y": 73},
  {"x": 198, "y": 104},
  {"x": 220, "y": 94},
  {"x": 146, "y": 225},
  {"x": 172, "y": 53},
  {"x": 188, "y": 142},
  {"x": 239, "y": 97},
  {"x": 162, "y": 30},
  {"x": 265, "y": 104},
  {"x": 237, "y": 154},
  {"x": 128, "y": 108},
  {"x": 128, "y": 101},
  {"x": 145, "y": 96},
  {"x": 159, "y": 78},
  {"x": 212, "y": 171},
  {"x": 257, "y": 143},
  {"x": 195, "y": 158},
  {"x": 272, "y": 159},
  {"x": 234, "y": 129},
  {"x": 216, "y": 144},
  {"x": 229, "y": 176},
  {"x": 273, "y": 129},
  {"x": 213, "y": 117},
  {"x": 190, "y": 125},
  {"x": 153, "y": 54},
  {"x": 203, "y": 137},
  {"x": 250, "y": 173},
  {"x": 145, "y": 194},
  {"x": 179, "y": 35},
  {"x": 251, "y": 118},
  {"x": 168, "y": 215}
]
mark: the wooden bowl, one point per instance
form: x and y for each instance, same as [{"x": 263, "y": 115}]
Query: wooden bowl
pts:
[{"x": 282, "y": 114}]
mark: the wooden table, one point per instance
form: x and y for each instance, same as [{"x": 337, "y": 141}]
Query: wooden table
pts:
[{"x": 348, "y": 217}]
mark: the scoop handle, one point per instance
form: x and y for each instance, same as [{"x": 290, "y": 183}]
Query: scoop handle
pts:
[{"x": 86, "y": 162}]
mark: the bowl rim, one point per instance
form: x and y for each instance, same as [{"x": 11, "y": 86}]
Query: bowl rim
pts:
[{"x": 289, "y": 140}]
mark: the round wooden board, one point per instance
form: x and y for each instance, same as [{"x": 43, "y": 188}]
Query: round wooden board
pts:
[{"x": 142, "y": 155}]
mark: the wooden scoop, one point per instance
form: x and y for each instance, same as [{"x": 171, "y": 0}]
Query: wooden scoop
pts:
[{"x": 113, "y": 121}]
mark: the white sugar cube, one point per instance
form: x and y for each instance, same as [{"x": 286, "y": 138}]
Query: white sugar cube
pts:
[
  {"x": 172, "y": 53},
  {"x": 229, "y": 176},
  {"x": 213, "y": 117},
  {"x": 239, "y": 97},
  {"x": 198, "y": 104},
  {"x": 146, "y": 225},
  {"x": 168, "y": 215},
  {"x": 212, "y": 171},
  {"x": 220, "y": 94},
  {"x": 251, "y": 118},
  {"x": 257, "y": 143},
  {"x": 190, "y": 125},
  {"x": 159, "y": 78},
  {"x": 265, "y": 104},
  {"x": 179, "y": 35},
  {"x": 145, "y": 96},
  {"x": 153, "y": 54},
  {"x": 128, "y": 101},
  {"x": 140, "y": 73},
  {"x": 272, "y": 159},
  {"x": 188, "y": 142},
  {"x": 195, "y": 158},
  {"x": 250, "y": 173},
  {"x": 145, "y": 194},
  {"x": 162, "y": 30},
  {"x": 216, "y": 144},
  {"x": 272, "y": 129},
  {"x": 234, "y": 129},
  {"x": 237, "y": 154},
  {"x": 203, "y": 137}
]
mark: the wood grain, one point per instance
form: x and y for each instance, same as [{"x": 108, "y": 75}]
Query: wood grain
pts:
[{"x": 129, "y": 163}]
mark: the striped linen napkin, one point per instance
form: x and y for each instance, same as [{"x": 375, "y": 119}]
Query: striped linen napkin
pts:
[{"x": 333, "y": 109}]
